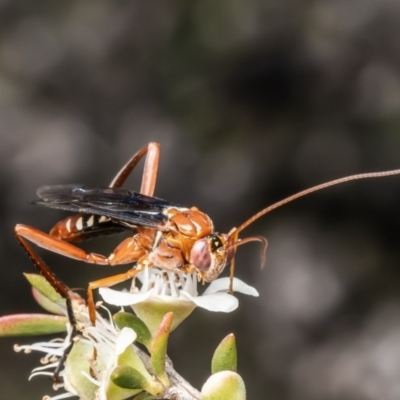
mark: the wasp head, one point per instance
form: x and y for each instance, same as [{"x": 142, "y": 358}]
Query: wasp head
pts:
[{"x": 210, "y": 254}]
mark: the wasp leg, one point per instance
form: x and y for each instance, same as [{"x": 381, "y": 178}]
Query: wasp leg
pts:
[
  {"x": 235, "y": 236},
  {"x": 106, "y": 282},
  {"x": 129, "y": 250},
  {"x": 149, "y": 171},
  {"x": 62, "y": 290},
  {"x": 58, "y": 246}
]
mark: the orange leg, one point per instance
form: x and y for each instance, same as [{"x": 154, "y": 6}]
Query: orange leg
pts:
[
  {"x": 45, "y": 270},
  {"x": 63, "y": 291},
  {"x": 58, "y": 246},
  {"x": 149, "y": 172},
  {"x": 129, "y": 250},
  {"x": 235, "y": 236},
  {"x": 106, "y": 282}
]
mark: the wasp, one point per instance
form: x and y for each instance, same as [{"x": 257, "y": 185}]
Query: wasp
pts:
[{"x": 164, "y": 235}]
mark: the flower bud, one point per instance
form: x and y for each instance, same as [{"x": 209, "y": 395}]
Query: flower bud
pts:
[{"x": 224, "y": 385}]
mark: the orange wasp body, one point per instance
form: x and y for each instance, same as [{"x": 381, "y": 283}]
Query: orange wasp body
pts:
[
  {"x": 166, "y": 236},
  {"x": 169, "y": 237}
]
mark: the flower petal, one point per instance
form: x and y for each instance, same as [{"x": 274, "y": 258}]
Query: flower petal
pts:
[
  {"x": 218, "y": 302},
  {"x": 118, "y": 298},
  {"x": 222, "y": 285},
  {"x": 125, "y": 338}
]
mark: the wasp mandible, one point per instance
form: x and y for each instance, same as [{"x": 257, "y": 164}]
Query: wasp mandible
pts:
[{"x": 164, "y": 235}]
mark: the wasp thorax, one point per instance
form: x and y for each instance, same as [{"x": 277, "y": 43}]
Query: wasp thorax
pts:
[{"x": 209, "y": 256}]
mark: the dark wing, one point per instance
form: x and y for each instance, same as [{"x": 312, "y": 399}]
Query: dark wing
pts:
[{"x": 122, "y": 206}]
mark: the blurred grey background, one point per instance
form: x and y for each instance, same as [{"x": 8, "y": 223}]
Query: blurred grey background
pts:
[{"x": 251, "y": 102}]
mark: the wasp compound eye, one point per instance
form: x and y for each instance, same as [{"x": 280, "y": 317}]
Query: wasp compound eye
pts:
[
  {"x": 200, "y": 255},
  {"x": 216, "y": 242}
]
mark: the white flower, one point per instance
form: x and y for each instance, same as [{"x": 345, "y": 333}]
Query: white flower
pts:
[
  {"x": 177, "y": 292},
  {"x": 54, "y": 350},
  {"x": 109, "y": 343},
  {"x": 224, "y": 385},
  {"x": 169, "y": 286},
  {"x": 86, "y": 373}
]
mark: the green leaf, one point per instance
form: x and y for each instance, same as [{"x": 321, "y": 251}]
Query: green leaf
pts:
[
  {"x": 31, "y": 324},
  {"x": 225, "y": 356},
  {"x": 77, "y": 362},
  {"x": 47, "y": 304},
  {"x": 43, "y": 286},
  {"x": 128, "y": 378},
  {"x": 129, "y": 320}
]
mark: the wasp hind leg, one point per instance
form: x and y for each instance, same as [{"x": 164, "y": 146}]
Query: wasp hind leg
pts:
[
  {"x": 63, "y": 291},
  {"x": 150, "y": 169}
]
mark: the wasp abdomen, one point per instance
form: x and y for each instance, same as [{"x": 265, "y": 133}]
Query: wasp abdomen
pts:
[{"x": 84, "y": 226}]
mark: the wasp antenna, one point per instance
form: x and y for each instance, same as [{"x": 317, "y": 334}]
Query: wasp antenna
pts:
[{"x": 315, "y": 189}]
